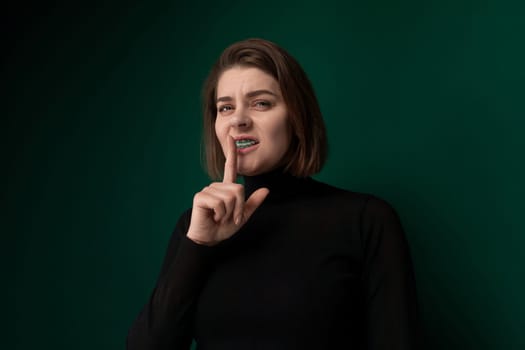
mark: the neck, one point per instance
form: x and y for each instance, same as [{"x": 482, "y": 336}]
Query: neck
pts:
[{"x": 279, "y": 183}]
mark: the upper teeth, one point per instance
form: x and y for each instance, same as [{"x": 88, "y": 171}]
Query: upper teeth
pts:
[{"x": 244, "y": 143}]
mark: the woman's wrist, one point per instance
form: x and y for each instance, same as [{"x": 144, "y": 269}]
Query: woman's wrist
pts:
[{"x": 198, "y": 239}]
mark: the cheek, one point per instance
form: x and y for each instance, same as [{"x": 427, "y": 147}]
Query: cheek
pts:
[
  {"x": 283, "y": 134},
  {"x": 219, "y": 131},
  {"x": 217, "y": 127}
]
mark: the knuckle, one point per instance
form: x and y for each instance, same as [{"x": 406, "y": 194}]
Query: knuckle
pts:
[
  {"x": 219, "y": 204},
  {"x": 197, "y": 196},
  {"x": 215, "y": 202},
  {"x": 230, "y": 201}
]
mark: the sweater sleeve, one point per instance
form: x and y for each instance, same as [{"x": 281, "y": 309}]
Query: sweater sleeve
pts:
[
  {"x": 389, "y": 282},
  {"x": 165, "y": 322}
]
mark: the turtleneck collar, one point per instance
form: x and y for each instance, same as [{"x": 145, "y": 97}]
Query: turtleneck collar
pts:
[{"x": 281, "y": 185}]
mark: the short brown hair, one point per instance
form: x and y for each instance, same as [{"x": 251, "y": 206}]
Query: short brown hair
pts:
[{"x": 308, "y": 147}]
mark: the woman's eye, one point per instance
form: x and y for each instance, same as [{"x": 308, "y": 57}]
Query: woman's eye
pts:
[
  {"x": 225, "y": 108},
  {"x": 262, "y": 104}
]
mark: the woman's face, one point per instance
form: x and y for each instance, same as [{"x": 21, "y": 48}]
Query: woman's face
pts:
[{"x": 250, "y": 108}]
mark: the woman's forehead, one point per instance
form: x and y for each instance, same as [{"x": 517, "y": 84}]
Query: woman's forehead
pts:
[{"x": 243, "y": 80}]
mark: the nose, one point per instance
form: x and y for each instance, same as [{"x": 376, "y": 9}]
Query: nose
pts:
[{"x": 240, "y": 119}]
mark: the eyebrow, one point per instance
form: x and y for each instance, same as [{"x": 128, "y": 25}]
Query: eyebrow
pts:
[{"x": 249, "y": 94}]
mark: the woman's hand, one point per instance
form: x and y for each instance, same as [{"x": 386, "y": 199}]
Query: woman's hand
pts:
[{"x": 219, "y": 210}]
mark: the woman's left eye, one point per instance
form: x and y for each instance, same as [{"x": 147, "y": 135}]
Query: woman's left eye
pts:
[{"x": 262, "y": 104}]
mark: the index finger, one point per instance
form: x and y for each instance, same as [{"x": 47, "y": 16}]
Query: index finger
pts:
[{"x": 230, "y": 166}]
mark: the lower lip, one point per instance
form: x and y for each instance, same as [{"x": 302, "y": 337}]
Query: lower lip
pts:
[{"x": 247, "y": 149}]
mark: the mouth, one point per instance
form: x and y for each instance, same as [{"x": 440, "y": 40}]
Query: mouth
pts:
[{"x": 245, "y": 143}]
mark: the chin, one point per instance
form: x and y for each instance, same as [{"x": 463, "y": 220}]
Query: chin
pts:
[{"x": 250, "y": 171}]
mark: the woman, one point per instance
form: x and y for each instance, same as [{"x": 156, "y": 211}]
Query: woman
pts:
[{"x": 283, "y": 261}]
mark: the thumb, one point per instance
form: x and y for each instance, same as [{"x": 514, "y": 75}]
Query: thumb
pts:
[{"x": 254, "y": 201}]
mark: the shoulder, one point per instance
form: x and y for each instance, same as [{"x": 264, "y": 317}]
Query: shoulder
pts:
[
  {"x": 369, "y": 206},
  {"x": 359, "y": 199},
  {"x": 376, "y": 207},
  {"x": 324, "y": 189},
  {"x": 381, "y": 227}
]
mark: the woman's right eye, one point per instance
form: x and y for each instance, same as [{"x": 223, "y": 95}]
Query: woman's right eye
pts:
[{"x": 225, "y": 108}]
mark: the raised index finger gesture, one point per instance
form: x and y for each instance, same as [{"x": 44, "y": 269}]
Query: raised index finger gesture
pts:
[
  {"x": 220, "y": 209},
  {"x": 230, "y": 166}
]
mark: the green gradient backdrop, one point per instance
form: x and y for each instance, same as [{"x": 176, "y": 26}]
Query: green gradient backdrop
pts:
[{"x": 424, "y": 106}]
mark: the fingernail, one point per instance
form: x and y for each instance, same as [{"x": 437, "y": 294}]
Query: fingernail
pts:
[{"x": 238, "y": 220}]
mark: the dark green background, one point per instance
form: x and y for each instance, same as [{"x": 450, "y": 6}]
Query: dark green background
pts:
[{"x": 424, "y": 104}]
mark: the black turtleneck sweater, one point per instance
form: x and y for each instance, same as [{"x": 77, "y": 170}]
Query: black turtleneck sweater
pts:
[{"x": 315, "y": 267}]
